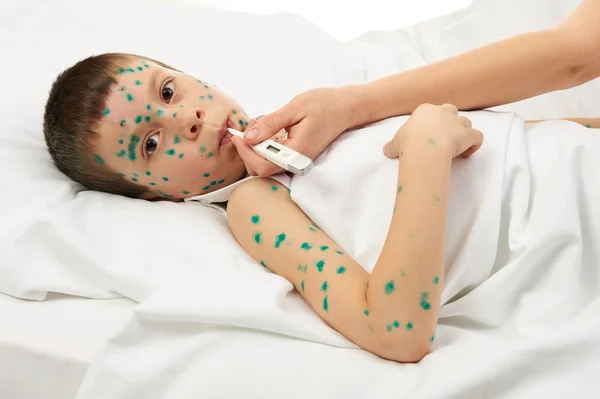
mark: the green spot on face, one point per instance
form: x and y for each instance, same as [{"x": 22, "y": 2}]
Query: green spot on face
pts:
[
  {"x": 181, "y": 106},
  {"x": 246, "y": 123},
  {"x": 257, "y": 237},
  {"x": 206, "y": 86},
  {"x": 121, "y": 175},
  {"x": 339, "y": 252},
  {"x": 137, "y": 82},
  {"x": 181, "y": 155},
  {"x": 148, "y": 107},
  {"x": 153, "y": 184},
  {"x": 341, "y": 270},
  {"x": 255, "y": 219},
  {"x": 121, "y": 153},
  {"x": 402, "y": 273},
  {"x": 390, "y": 287},
  {"x": 436, "y": 280},
  {"x": 201, "y": 97},
  {"x": 302, "y": 285},
  {"x": 324, "y": 248},
  {"x": 106, "y": 112},
  {"x": 279, "y": 239},
  {"x": 388, "y": 328},
  {"x": 409, "y": 325},
  {"x": 366, "y": 312},
  {"x": 135, "y": 179},
  {"x": 370, "y": 328},
  {"x": 214, "y": 182},
  {"x": 138, "y": 119},
  {"x": 312, "y": 229},
  {"x": 133, "y": 142},
  {"x": 324, "y": 286},
  {"x": 120, "y": 71},
  {"x": 186, "y": 192},
  {"x": 147, "y": 118},
  {"x": 175, "y": 115},
  {"x": 99, "y": 159},
  {"x": 210, "y": 154},
  {"x": 136, "y": 175},
  {"x": 221, "y": 181},
  {"x": 325, "y": 305},
  {"x": 400, "y": 188},
  {"x": 130, "y": 70},
  {"x": 233, "y": 111},
  {"x": 165, "y": 178},
  {"x": 201, "y": 150},
  {"x": 320, "y": 265},
  {"x": 205, "y": 188},
  {"x": 274, "y": 188},
  {"x": 140, "y": 68},
  {"x": 210, "y": 97},
  {"x": 206, "y": 175},
  {"x": 148, "y": 173},
  {"x": 159, "y": 112},
  {"x": 170, "y": 151},
  {"x": 396, "y": 324},
  {"x": 177, "y": 139},
  {"x": 432, "y": 143},
  {"x": 306, "y": 246},
  {"x": 241, "y": 122},
  {"x": 129, "y": 97}
]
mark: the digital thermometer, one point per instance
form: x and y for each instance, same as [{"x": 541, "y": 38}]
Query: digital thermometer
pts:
[{"x": 280, "y": 155}]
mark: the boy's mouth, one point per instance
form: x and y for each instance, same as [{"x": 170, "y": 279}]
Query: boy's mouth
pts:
[{"x": 224, "y": 135}]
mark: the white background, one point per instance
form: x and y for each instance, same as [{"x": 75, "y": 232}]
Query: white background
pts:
[{"x": 346, "y": 19}]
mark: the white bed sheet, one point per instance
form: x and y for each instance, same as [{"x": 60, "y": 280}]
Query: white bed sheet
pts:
[{"x": 46, "y": 347}]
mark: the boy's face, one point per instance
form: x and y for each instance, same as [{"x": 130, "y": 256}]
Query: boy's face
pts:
[{"x": 166, "y": 131}]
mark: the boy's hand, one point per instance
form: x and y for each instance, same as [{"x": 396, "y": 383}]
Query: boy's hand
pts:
[{"x": 440, "y": 125}]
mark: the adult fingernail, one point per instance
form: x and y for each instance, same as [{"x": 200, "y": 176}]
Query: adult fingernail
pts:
[{"x": 251, "y": 134}]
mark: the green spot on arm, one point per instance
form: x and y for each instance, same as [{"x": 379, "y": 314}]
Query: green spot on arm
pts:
[
  {"x": 255, "y": 219},
  {"x": 306, "y": 246},
  {"x": 324, "y": 286},
  {"x": 279, "y": 239},
  {"x": 341, "y": 270},
  {"x": 320, "y": 265},
  {"x": 324, "y": 248},
  {"x": 257, "y": 238},
  {"x": 390, "y": 286},
  {"x": 325, "y": 304}
]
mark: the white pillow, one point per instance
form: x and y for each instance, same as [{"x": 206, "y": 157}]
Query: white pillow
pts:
[{"x": 56, "y": 237}]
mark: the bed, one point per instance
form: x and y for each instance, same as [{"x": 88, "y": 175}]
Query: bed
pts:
[{"x": 85, "y": 316}]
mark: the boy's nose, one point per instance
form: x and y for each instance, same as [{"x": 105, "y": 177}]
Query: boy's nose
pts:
[{"x": 192, "y": 124}]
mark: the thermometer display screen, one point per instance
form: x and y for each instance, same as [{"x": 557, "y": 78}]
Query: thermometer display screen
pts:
[{"x": 273, "y": 149}]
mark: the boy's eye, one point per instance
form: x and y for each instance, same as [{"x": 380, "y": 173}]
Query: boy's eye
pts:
[
  {"x": 167, "y": 92},
  {"x": 151, "y": 144}
]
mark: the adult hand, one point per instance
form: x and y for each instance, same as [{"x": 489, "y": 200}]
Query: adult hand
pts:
[{"x": 312, "y": 119}]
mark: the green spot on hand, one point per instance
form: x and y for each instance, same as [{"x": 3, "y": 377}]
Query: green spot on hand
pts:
[
  {"x": 170, "y": 152},
  {"x": 306, "y": 246},
  {"x": 257, "y": 237},
  {"x": 324, "y": 248},
  {"x": 99, "y": 159},
  {"x": 177, "y": 139},
  {"x": 324, "y": 286},
  {"x": 255, "y": 219},
  {"x": 137, "y": 82},
  {"x": 210, "y": 154},
  {"x": 366, "y": 312},
  {"x": 409, "y": 325},
  {"x": 121, "y": 153},
  {"x": 436, "y": 280},
  {"x": 320, "y": 265},
  {"x": 432, "y": 143},
  {"x": 390, "y": 287},
  {"x": 279, "y": 239},
  {"x": 341, "y": 270},
  {"x": 148, "y": 173},
  {"x": 201, "y": 150},
  {"x": 274, "y": 188},
  {"x": 325, "y": 305},
  {"x": 106, "y": 112},
  {"x": 165, "y": 178},
  {"x": 131, "y": 147},
  {"x": 138, "y": 119}
]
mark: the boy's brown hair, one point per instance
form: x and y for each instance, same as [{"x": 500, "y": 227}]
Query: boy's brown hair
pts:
[{"x": 73, "y": 110}]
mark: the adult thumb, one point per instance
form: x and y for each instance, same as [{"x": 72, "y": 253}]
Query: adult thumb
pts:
[
  {"x": 270, "y": 124},
  {"x": 390, "y": 150}
]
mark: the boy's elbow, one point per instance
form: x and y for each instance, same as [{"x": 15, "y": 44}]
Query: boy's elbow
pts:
[{"x": 404, "y": 350}]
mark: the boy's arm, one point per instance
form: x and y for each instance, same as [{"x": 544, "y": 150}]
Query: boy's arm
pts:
[{"x": 391, "y": 313}]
